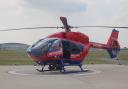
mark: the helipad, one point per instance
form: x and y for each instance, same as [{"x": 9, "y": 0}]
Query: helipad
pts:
[{"x": 95, "y": 77}]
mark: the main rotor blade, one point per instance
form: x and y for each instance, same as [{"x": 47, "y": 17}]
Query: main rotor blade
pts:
[
  {"x": 28, "y": 28},
  {"x": 100, "y": 27},
  {"x": 67, "y": 29},
  {"x": 64, "y": 21}
]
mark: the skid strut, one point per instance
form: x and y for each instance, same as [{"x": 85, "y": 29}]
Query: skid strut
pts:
[
  {"x": 57, "y": 66},
  {"x": 81, "y": 67}
]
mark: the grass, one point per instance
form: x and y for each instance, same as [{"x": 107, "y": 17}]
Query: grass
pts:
[
  {"x": 14, "y": 57},
  {"x": 19, "y": 57},
  {"x": 102, "y": 57}
]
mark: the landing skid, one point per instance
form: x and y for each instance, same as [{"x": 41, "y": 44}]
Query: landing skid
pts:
[
  {"x": 55, "y": 68},
  {"x": 64, "y": 71}
]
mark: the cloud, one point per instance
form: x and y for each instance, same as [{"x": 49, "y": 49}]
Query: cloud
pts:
[
  {"x": 30, "y": 13},
  {"x": 58, "y": 5},
  {"x": 107, "y": 12}
]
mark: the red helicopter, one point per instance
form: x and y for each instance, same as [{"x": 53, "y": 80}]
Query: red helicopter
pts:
[{"x": 68, "y": 48}]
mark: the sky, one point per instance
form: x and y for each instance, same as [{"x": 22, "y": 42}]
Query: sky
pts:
[{"x": 34, "y": 13}]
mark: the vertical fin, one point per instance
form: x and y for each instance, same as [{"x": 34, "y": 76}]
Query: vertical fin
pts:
[{"x": 113, "y": 44}]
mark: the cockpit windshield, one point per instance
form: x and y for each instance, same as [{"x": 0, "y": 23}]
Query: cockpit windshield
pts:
[{"x": 43, "y": 43}]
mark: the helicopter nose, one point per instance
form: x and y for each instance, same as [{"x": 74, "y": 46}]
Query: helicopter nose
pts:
[{"x": 32, "y": 51}]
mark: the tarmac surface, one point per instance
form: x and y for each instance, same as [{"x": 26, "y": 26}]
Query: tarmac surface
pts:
[{"x": 103, "y": 76}]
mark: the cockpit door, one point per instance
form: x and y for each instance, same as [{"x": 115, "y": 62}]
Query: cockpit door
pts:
[{"x": 56, "y": 49}]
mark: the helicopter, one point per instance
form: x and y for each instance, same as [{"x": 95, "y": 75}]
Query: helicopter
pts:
[{"x": 68, "y": 48}]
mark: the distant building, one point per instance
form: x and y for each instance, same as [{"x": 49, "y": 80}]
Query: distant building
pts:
[
  {"x": 13, "y": 46},
  {"x": 125, "y": 47}
]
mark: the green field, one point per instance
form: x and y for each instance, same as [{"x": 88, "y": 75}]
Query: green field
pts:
[
  {"x": 19, "y": 57},
  {"x": 14, "y": 57},
  {"x": 102, "y": 57}
]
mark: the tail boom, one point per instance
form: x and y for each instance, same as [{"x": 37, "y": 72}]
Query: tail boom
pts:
[
  {"x": 112, "y": 45},
  {"x": 98, "y": 45}
]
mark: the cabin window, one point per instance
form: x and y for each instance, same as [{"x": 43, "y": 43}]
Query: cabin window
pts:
[
  {"x": 71, "y": 48},
  {"x": 75, "y": 48}
]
